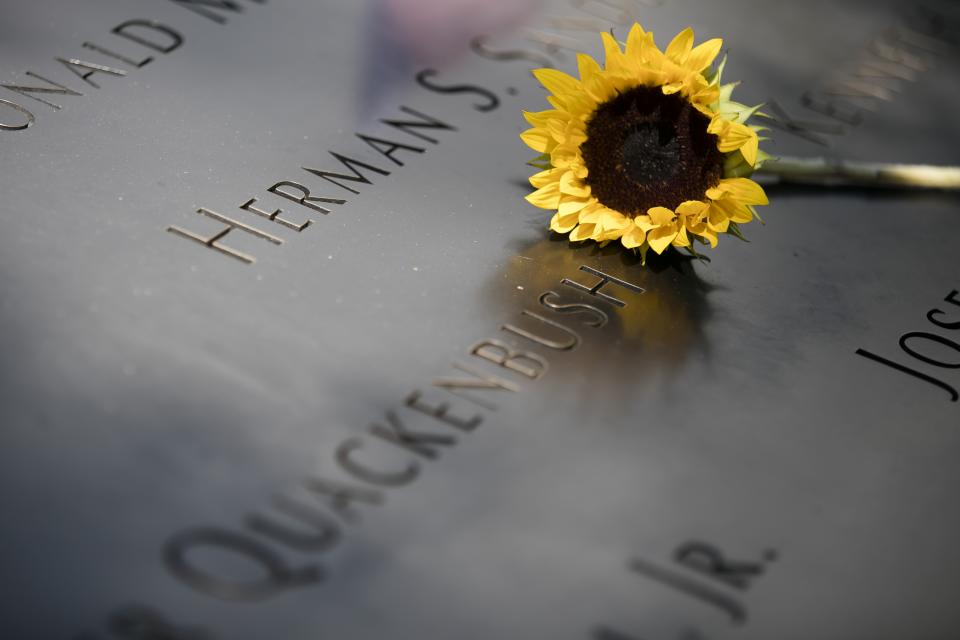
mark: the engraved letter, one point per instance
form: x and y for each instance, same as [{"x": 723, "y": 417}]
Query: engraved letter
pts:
[
  {"x": 213, "y": 241},
  {"x": 711, "y": 562},
  {"x": 342, "y": 495},
  {"x": 442, "y": 413},
  {"x": 426, "y": 122},
  {"x": 16, "y": 127},
  {"x": 123, "y": 30},
  {"x": 201, "y": 7},
  {"x": 26, "y": 91},
  {"x": 351, "y": 164},
  {"x": 116, "y": 56},
  {"x": 932, "y": 338},
  {"x": 373, "y": 476},
  {"x": 388, "y": 147},
  {"x": 479, "y": 380},
  {"x": 479, "y": 46},
  {"x": 846, "y": 114},
  {"x": 73, "y": 65},
  {"x": 274, "y": 216},
  {"x": 804, "y": 129},
  {"x": 886, "y": 47},
  {"x": 859, "y": 89},
  {"x": 492, "y": 100},
  {"x": 954, "y": 396},
  {"x": 303, "y": 197},
  {"x": 323, "y": 533},
  {"x": 933, "y": 313},
  {"x": 414, "y": 442},
  {"x": 599, "y": 319},
  {"x": 705, "y": 594},
  {"x": 526, "y": 363},
  {"x": 278, "y": 576},
  {"x": 605, "y": 279},
  {"x": 572, "y": 343}
]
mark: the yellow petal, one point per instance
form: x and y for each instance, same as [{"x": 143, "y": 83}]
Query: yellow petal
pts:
[
  {"x": 672, "y": 87},
  {"x": 612, "y": 221},
  {"x": 744, "y": 190},
  {"x": 661, "y": 216},
  {"x": 682, "y": 239},
  {"x": 610, "y": 234},
  {"x": 582, "y": 232},
  {"x": 661, "y": 237},
  {"x": 557, "y": 82},
  {"x": 614, "y": 56},
  {"x": 598, "y": 235},
  {"x": 691, "y": 208},
  {"x": 542, "y": 179},
  {"x": 557, "y": 129},
  {"x": 546, "y": 197},
  {"x": 541, "y": 118},
  {"x": 590, "y": 214},
  {"x": 733, "y": 136},
  {"x": 705, "y": 100},
  {"x": 562, "y": 224},
  {"x": 633, "y": 237},
  {"x": 637, "y": 41},
  {"x": 650, "y": 53},
  {"x": 644, "y": 222},
  {"x": 599, "y": 90},
  {"x": 588, "y": 67},
  {"x": 735, "y": 211},
  {"x": 718, "y": 220},
  {"x": 570, "y": 206},
  {"x": 538, "y": 139},
  {"x": 750, "y": 149},
  {"x": 571, "y": 185},
  {"x": 710, "y": 235},
  {"x": 703, "y": 55},
  {"x": 680, "y": 47},
  {"x": 565, "y": 155}
]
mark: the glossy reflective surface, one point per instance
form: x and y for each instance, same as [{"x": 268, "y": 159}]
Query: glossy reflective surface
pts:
[{"x": 174, "y": 420}]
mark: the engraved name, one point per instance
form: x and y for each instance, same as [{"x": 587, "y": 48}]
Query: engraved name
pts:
[
  {"x": 316, "y": 516},
  {"x": 132, "y": 45},
  {"x": 879, "y": 72},
  {"x": 349, "y": 174},
  {"x": 701, "y": 573},
  {"x": 929, "y": 350}
]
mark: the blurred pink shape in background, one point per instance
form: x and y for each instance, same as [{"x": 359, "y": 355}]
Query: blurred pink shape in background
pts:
[{"x": 434, "y": 30}]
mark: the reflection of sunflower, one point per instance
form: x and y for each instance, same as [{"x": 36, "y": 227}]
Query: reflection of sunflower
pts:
[{"x": 649, "y": 150}]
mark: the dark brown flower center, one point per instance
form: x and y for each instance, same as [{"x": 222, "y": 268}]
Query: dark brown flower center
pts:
[{"x": 645, "y": 149}]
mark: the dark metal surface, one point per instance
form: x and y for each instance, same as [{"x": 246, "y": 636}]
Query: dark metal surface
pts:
[{"x": 172, "y": 418}]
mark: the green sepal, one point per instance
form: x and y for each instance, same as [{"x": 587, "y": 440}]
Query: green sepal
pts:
[
  {"x": 762, "y": 157},
  {"x": 737, "y": 112},
  {"x": 714, "y": 75},
  {"x": 735, "y": 166},
  {"x": 693, "y": 252},
  {"x": 734, "y": 229},
  {"x": 542, "y": 161},
  {"x": 726, "y": 91}
]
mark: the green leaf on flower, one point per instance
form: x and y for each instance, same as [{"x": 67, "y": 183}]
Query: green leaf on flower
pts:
[
  {"x": 734, "y": 228},
  {"x": 541, "y": 162}
]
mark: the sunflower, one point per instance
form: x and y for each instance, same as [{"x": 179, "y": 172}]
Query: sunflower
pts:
[{"x": 649, "y": 150}]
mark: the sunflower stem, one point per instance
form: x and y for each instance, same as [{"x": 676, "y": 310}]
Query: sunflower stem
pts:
[{"x": 826, "y": 172}]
